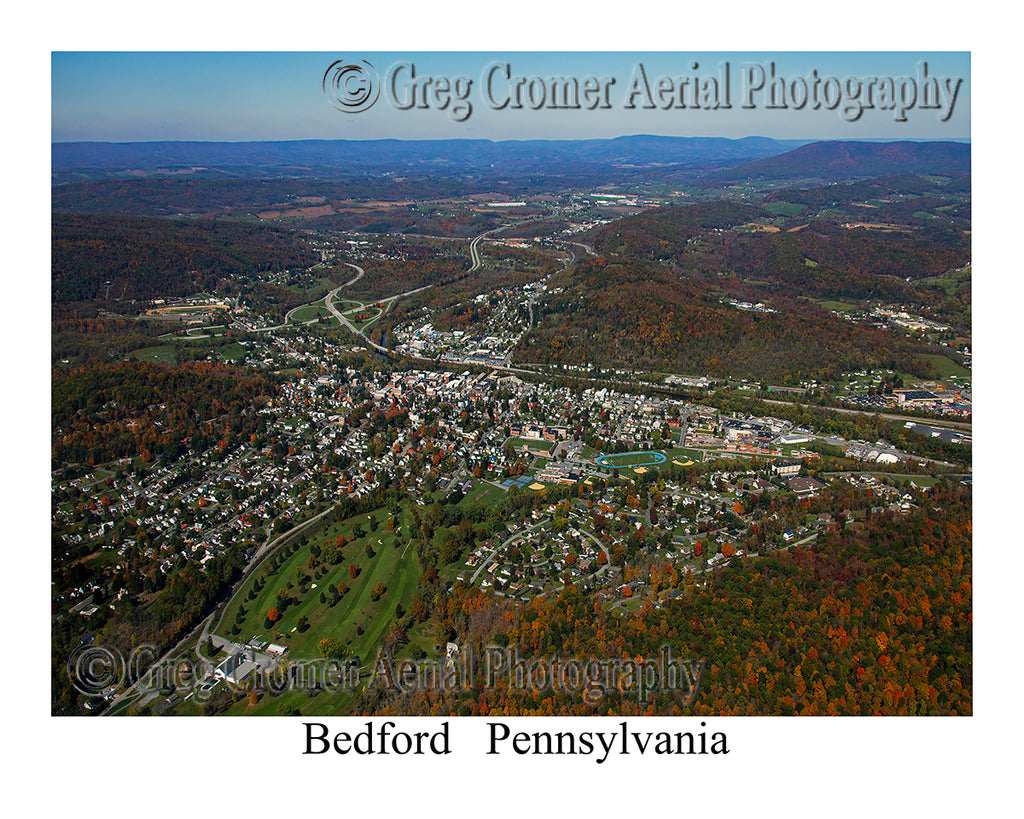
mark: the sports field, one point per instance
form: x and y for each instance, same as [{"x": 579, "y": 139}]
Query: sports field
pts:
[{"x": 623, "y": 459}]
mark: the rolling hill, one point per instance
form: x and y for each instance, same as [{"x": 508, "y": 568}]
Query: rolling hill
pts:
[{"x": 851, "y": 160}]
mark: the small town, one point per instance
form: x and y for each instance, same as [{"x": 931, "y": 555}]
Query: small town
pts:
[{"x": 615, "y": 471}]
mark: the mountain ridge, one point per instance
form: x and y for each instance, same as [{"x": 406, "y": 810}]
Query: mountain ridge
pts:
[
  {"x": 849, "y": 159},
  {"x": 637, "y": 148}
]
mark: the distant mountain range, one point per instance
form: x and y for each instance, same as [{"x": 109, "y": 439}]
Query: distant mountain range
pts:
[
  {"x": 713, "y": 162},
  {"x": 469, "y": 154},
  {"x": 851, "y": 160}
]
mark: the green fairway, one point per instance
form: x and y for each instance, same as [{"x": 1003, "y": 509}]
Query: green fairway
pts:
[{"x": 397, "y": 569}]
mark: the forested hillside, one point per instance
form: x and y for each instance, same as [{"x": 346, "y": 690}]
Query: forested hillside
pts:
[
  {"x": 100, "y": 258},
  {"x": 675, "y": 324},
  {"x": 875, "y": 618},
  {"x": 847, "y": 160}
]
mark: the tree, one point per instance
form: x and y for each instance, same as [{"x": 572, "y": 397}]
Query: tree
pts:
[{"x": 332, "y": 648}]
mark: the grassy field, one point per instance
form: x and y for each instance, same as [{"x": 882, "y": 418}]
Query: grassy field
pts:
[
  {"x": 949, "y": 282},
  {"x": 683, "y": 454},
  {"x": 315, "y": 289},
  {"x": 943, "y": 367},
  {"x": 308, "y": 313},
  {"x": 785, "y": 208},
  {"x": 532, "y": 443},
  {"x": 374, "y": 315},
  {"x": 163, "y": 354},
  {"x": 842, "y": 306},
  {"x": 217, "y": 330},
  {"x": 484, "y": 493},
  {"x": 920, "y": 480},
  {"x": 232, "y": 352}
]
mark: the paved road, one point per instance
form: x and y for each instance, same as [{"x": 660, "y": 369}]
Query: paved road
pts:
[
  {"x": 340, "y": 316},
  {"x": 388, "y": 301},
  {"x": 891, "y": 416},
  {"x": 588, "y": 248},
  {"x": 517, "y": 536}
]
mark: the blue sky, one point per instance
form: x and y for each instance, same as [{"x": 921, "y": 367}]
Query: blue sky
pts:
[{"x": 237, "y": 96}]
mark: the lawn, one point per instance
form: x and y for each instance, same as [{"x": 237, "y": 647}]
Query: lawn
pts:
[
  {"x": 920, "y": 480},
  {"x": 949, "y": 282},
  {"x": 215, "y": 330},
  {"x": 318, "y": 289}
]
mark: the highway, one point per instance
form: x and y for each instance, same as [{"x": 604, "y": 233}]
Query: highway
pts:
[{"x": 936, "y": 422}]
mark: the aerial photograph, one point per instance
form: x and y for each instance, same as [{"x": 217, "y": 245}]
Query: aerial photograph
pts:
[{"x": 518, "y": 384}]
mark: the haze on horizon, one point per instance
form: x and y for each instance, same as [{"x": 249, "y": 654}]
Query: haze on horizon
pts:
[{"x": 277, "y": 96}]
